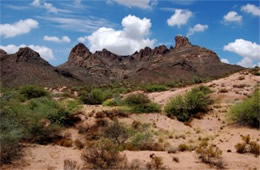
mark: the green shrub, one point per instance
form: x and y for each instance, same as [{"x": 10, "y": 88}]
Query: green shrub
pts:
[
  {"x": 155, "y": 88},
  {"x": 116, "y": 101},
  {"x": 193, "y": 102},
  {"x": 29, "y": 92},
  {"x": 37, "y": 120},
  {"x": 247, "y": 112},
  {"x": 136, "y": 99},
  {"x": 140, "y": 103},
  {"x": 96, "y": 96},
  {"x": 145, "y": 108}
]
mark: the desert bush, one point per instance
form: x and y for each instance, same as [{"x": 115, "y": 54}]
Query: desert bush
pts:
[
  {"x": 31, "y": 121},
  {"x": 210, "y": 154},
  {"x": 140, "y": 103},
  {"x": 241, "y": 147},
  {"x": 146, "y": 108},
  {"x": 104, "y": 155},
  {"x": 185, "y": 147},
  {"x": 155, "y": 88},
  {"x": 116, "y": 101},
  {"x": 10, "y": 136},
  {"x": 29, "y": 92},
  {"x": 248, "y": 146},
  {"x": 136, "y": 99},
  {"x": 197, "y": 80},
  {"x": 156, "y": 163},
  {"x": 69, "y": 164},
  {"x": 118, "y": 133},
  {"x": 193, "y": 102},
  {"x": 247, "y": 112},
  {"x": 96, "y": 96}
]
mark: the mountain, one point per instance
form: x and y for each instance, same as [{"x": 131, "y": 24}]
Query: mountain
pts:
[
  {"x": 27, "y": 67},
  {"x": 159, "y": 65}
]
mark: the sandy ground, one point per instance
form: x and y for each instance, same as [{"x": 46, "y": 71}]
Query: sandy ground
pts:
[{"x": 212, "y": 126}]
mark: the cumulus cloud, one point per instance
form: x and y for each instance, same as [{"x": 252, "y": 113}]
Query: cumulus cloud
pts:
[
  {"x": 197, "y": 28},
  {"x": 18, "y": 28},
  {"x": 64, "y": 39},
  {"x": 224, "y": 60},
  {"x": 250, "y": 51},
  {"x": 45, "y": 52},
  {"x": 252, "y": 9},
  {"x": 232, "y": 16},
  {"x": 145, "y": 4},
  {"x": 179, "y": 18},
  {"x": 132, "y": 38}
]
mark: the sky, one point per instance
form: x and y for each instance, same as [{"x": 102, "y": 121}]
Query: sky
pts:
[{"x": 54, "y": 27}]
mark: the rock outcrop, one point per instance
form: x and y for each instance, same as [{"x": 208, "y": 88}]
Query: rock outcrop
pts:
[{"x": 181, "y": 42}]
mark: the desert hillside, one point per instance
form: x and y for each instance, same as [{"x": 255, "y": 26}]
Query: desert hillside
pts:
[{"x": 135, "y": 136}]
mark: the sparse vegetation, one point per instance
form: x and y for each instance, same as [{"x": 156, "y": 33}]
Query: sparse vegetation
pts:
[
  {"x": 38, "y": 119},
  {"x": 95, "y": 96},
  {"x": 155, "y": 88},
  {"x": 29, "y": 92},
  {"x": 248, "y": 146},
  {"x": 193, "y": 102},
  {"x": 156, "y": 163},
  {"x": 210, "y": 154},
  {"x": 247, "y": 112},
  {"x": 103, "y": 155},
  {"x": 223, "y": 90},
  {"x": 140, "y": 103}
]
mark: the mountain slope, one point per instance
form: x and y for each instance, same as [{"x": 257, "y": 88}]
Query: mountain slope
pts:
[
  {"x": 183, "y": 62},
  {"x": 27, "y": 67}
]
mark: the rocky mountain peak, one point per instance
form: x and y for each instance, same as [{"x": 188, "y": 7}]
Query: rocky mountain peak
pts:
[
  {"x": 27, "y": 54},
  {"x": 2, "y": 52},
  {"x": 182, "y": 42},
  {"x": 78, "y": 54}
]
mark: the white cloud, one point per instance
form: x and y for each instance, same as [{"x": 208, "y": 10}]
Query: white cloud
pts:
[
  {"x": 179, "y": 18},
  {"x": 18, "y": 28},
  {"x": 45, "y": 52},
  {"x": 250, "y": 51},
  {"x": 64, "y": 39},
  {"x": 224, "y": 60},
  {"x": 197, "y": 28},
  {"x": 82, "y": 39},
  {"x": 36, "y": 3},
  {"x": 252, "y": 9},
  {"x": 89, "y": 24},
  {"x": 232, "y": 16},
  {"x": 145, "y": 4},
  {"x": 48, "y": 6},
  {"x": 132, "y": 38}
]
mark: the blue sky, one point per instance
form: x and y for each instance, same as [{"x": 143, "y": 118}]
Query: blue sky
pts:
[{"x": 53, "y": 27}]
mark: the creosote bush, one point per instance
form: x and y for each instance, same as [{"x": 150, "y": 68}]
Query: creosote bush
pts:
[
  {"x": 29, "y": 92},
  {"x": 155, "y": 88},
  {"x": 247, "y": 112},
  {"x": 210, "y": 154},
  {"x": 187, "y": 106},
  {"x": 95, "y": 96},
  {"x": 140, "y": 103}
]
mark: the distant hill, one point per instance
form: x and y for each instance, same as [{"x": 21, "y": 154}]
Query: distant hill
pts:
[
  {"x": 159, "y": 65},
  {"x": 27, "y": 67}
]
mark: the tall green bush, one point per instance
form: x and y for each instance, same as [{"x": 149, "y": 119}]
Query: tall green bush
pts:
[{"x": 193, "y": 102}]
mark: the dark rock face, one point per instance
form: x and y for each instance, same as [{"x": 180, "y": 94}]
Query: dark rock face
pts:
[
  {"x": 2, "y": 53},
  {"x": 182, "y": 42}
]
